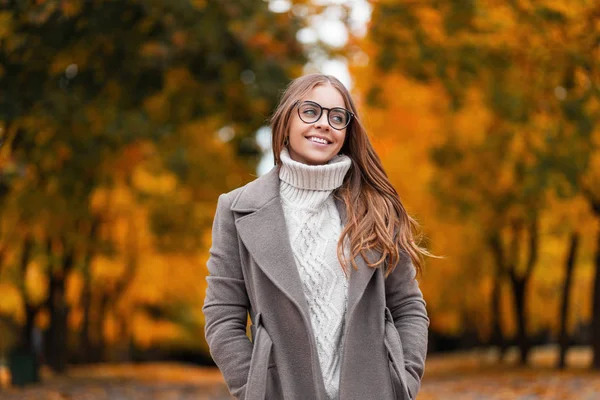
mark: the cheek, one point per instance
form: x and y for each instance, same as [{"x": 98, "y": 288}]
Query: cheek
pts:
[
  {"x": 295, "y": 129},
  {"x": 341, "y": 139}
]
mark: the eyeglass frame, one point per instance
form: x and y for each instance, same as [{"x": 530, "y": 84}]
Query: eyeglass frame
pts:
[{"x": 298, "y": 103}]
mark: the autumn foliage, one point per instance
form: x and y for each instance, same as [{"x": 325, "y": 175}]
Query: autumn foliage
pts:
[
  {"x": 486, "y": 116},
  {"x": 122, "y": 121}
]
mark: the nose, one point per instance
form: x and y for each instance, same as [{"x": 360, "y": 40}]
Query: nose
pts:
[{"x": 323, "y": 122}]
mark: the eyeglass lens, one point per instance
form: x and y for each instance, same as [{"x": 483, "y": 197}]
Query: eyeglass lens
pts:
[{"x": 311, "y": 112}]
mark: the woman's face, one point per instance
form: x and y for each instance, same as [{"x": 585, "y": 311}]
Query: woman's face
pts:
[{"x": 316, "y": 143}]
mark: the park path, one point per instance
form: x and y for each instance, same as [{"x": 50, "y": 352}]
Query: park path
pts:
[
  {"x": 152, "y": 381},
  {"x": 476, "y": 375},
  {"x": 465, "y": 376}
]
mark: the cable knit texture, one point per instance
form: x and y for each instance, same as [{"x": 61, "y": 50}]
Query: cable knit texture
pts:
[{"x": 314, "y": 228}]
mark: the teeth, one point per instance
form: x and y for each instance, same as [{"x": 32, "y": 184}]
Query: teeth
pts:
[{"x": 318, "y": 140}]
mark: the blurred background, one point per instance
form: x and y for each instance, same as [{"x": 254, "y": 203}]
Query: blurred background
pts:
[{"x": 122, "y": 121}]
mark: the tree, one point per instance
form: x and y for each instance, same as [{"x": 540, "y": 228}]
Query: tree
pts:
[
  {"x": 94, "y": 91},
  {"x": 528, "y": 69}
]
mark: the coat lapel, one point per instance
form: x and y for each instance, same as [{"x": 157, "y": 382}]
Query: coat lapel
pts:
[{"x": 264, "y": 233}]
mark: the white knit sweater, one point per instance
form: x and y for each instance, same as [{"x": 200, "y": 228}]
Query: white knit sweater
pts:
[{"x": 314, "y": 228}]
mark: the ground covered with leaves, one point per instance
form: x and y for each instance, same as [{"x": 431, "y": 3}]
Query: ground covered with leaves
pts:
[
  {"x": 477, "y": 375},
  {"x": 464, "y": 376}
]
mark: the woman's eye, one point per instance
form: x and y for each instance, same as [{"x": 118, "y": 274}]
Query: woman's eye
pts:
[
  {"x": 310, "y": 111},
  {"x": 338, "y": 118}
]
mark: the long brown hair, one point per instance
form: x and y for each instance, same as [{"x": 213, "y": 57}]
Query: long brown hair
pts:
[{"x": 376, "y": 218}]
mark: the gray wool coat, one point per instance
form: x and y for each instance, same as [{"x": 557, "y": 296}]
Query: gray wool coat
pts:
[{"x": 253, "y": 271}]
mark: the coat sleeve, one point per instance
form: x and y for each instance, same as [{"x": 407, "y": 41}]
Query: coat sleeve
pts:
[
  {"x": 226, "y": 303},
  {"x": 406, "y": 304}
]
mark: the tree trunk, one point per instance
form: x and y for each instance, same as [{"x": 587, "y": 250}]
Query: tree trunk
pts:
[
  {"x": 27, "y": 330},
  {"x": 594, "y": 203},
  {"x": 497, "y": 337},
  {"x": 595, "y": 334},
  {"x": 563, "y": 336},
  {"x": 98, "y": 348},
  {"x": 85, "y": 340},
  {"x": 57, "y": 338},
  {"x": 519, "y": 286},
  {"x": 59, "y": 311},
  {"x": 27, "y": 333},
  {"x": 123, "y": 346},
  {"x": 86, "y": 304}
]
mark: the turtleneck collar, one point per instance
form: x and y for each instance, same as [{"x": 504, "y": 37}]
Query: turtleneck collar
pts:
[
  {"x": 310, "y": 185},
  {"x": 329, "y": 176}
]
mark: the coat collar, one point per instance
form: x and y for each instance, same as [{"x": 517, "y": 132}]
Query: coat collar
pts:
[
  {"x": 257, "y": 193},
  {"x": 263, "y": 231}
]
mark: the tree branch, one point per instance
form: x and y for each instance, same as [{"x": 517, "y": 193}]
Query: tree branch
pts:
[
  {"x": 495, "y": 244},
  {"x": 533, "y": 246},
  {"x": 515, "y": 247},
  {"x": 591, "y": 198}
]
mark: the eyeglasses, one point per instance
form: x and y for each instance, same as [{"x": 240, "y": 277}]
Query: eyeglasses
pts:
[{"x": 337, "y": 117}]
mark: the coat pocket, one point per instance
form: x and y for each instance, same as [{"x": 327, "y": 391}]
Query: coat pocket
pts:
[
  {"x": 273, "y": 391},
  {"x": 263, "y": 379},
  {"x": 395, "y": 352}
]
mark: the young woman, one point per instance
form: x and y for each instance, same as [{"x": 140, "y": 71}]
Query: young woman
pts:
[{"x": 320, "y": 253}]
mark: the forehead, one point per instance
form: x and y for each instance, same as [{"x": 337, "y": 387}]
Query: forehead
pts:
[{"x": 326, "y": 96}]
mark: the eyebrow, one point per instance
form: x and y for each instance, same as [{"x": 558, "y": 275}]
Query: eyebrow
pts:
[{"x": 316, "y": 102}]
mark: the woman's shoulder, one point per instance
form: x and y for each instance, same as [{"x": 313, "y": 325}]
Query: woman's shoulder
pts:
[{"x": 255, "y": 193}]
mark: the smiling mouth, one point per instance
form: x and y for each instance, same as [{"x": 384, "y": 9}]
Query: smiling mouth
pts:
[{"x": 318, "y": 140}]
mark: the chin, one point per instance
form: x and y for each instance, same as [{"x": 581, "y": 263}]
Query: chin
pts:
[{"x": 313, "y": 156}]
